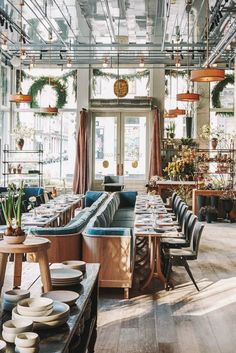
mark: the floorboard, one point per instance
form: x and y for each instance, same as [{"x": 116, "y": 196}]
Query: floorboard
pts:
[{"x": 182, "y": 320}]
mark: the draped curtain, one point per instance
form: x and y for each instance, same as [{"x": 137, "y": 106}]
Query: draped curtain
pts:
[
  {"x": 155, "y": 167},
  {"x": 80, "y": 183}
]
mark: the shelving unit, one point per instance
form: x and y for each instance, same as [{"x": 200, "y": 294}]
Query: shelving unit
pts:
[
  {"x": 23, "y": 164},
  {"x": 218, "y": 164}
]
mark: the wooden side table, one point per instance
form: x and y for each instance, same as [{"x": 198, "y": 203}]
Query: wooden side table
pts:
[{"x": 39, "y": 246}]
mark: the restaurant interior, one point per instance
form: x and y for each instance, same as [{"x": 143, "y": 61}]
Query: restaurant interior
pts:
[{"x": 117, "y": 176}]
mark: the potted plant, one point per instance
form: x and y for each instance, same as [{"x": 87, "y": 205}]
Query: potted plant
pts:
[
  {"x": 20, "y": 132},
  {"x": 171, "y": 129},
  {"x": 11, "y": 206},
  {"x": 227, "y": 200},
  {"x": 213, "y": 134},
  {"x": 211, "y": 214},
  {"x": 202, "y": 214}
]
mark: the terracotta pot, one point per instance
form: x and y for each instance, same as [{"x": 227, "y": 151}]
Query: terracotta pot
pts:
[
  {"x": 214, "y": 143},
  {"x": 14, "y": 239},
  {"x": 20, "y": 143}
]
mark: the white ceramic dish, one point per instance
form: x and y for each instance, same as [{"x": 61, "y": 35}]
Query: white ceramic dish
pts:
[
  {"x": 34, "y": 305},
  {"x": 64, "y": 296},
  {"x": 27, "y": 339},
  {"x": 60, "y": 310},
  {"x": 18, "y": 326},
  {"x": 2, "y": 346},
  {"x": 15, "y": 295},
  {"x": 76, "y": 265},
  {"x": 21, "y": 310},
  {"x": 65, "y": 273},
  {"x": 27, "y": 350}
]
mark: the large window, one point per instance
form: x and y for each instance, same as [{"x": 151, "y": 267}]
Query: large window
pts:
[{"x": 56, "y": 133}]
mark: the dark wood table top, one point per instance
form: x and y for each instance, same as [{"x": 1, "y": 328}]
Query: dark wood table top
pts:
[{"x": 55, "y": 340}]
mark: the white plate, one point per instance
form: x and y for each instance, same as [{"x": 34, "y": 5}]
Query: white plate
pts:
[
  {"x": 65, "y": 273},
  {"x": 64, "y": 296},
  {"x": 60, "y": 310}
]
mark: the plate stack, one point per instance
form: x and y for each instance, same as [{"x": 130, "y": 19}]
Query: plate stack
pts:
[
  {"x": 64, "y": 277},
  {"x": 76, "y": 265},
  {"x": 44, "y": 312}
]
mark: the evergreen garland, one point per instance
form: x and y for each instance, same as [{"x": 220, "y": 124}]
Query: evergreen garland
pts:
[
  {"x": 38, "y": 85},
  {"x": 215, "y": 94}
]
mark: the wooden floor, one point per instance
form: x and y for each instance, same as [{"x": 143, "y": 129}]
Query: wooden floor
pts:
[{"x": 182, "y": 320}]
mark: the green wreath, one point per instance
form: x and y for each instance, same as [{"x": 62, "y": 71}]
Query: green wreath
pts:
[
  {"x": 215, "y": 94},
  {"x": 38, "y": 85}
]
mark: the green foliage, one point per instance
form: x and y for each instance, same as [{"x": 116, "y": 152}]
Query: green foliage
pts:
[
  {"x": 215, "y": 94},
  {"x": 11, "y": 205}
]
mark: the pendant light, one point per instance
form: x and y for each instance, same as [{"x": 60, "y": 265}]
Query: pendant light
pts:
[
  {"x": 20, "y": 97},
  {"x": 207, "y": 74},
  {"x": 188, "y": 96},
  {"x": 177, "y": 111},
  {"x": 49, "y": 109}
]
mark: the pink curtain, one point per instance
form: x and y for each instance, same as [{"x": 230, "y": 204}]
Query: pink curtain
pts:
[
  {"x": 80, "y": 183},
  {"x": 155, "y": 167}
]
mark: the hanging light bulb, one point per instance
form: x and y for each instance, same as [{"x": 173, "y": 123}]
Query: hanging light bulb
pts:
[
  {"x": 177, "y": 63},
  {"x": 32, "y": 64},
  {"x": 15, "y": 61},
  {"x": 69, "y": 62},
  {"x": 23, "y": 54},
  {"x": 105, "y": 63},
  {"x": 4, "y": 45},
  {"x": 141, "y": 62},
  {"x": 188, "y": 96},
  {"x": 207, "y": 74}
]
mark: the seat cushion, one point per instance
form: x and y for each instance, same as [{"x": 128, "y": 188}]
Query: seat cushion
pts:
[
  {"x": 91, "y": 197},
  {"x": 127, "y": 198},
  {"x": 108, "y": 231},
  {"x": 123, "y": 223},
  {"x": 124, "y": 214}
]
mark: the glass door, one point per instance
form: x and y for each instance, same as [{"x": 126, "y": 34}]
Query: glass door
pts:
[{"x": 120, "y": 147}]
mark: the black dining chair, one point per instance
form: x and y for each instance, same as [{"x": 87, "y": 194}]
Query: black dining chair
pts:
[{"x": 179, "y": 257}]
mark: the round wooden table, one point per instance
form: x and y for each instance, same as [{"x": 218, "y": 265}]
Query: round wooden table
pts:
[{"x": 36, "y": 245}]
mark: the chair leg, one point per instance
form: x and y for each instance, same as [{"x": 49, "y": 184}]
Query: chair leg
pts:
[
  {"x": 187, "y": 268},
  {"x": 168, "y": 271}
]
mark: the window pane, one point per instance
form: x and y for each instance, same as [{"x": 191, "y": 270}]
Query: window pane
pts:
[
  {"x": 135, "y": 147},
  {"x": 105, "y": 146}
]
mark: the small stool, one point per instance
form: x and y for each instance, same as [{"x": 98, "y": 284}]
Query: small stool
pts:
[{"x": 36, "y": 245}]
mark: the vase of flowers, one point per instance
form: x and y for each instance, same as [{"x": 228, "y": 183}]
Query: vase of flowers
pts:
[
  {"x": 11, "y": 207},
  {"x": 21, "y": 132},
  {"x": 215, "y": 135}
]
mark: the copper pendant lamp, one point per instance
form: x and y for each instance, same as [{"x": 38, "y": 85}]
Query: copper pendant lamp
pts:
[
  {"x": 188, "y": 96},
  {"x": 49, "y": 110},
  {"x": 177, "y": 111},
  {"x": 207, "y": 74},
  {"x": 167, "y": 115},
  {"x": 20, "y": 97}
]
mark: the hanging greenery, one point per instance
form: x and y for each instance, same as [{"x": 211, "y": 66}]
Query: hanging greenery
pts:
[
  {"x": 217, "y": 90},
  {"x": 40, "y": 83}
]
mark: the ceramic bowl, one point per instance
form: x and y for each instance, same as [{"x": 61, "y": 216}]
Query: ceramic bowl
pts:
[
  {"x": 75, "y": 265},
  {"x": 8, "y": 337},
  {"x": 2, "y": 346},
  {"x": 27, "y": 340},
  {"x": 17, "y": 326},
  {"x": 24, "y": 312},
  {"x": 31, "y": 306},
  {"x": 15, "y": 295},
  {"x": 27, "y": 350},
  {"x": 8, "y": 306}
]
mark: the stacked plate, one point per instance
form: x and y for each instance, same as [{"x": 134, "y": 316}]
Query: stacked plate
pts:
[
  {"x": 43, "y": 312},
  {"x": 76, "y": 265},
  {"x": 64, "y": 296},
  {"x": 63, "y": 277}
]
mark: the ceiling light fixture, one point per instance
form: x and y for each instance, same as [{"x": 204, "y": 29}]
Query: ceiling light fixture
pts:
[
  {"x": 141, "y": 62},
  {"x": 207, "y": 74},
  {"x": 169, "y": 115},
  {"x": 23, "y": 54},
  {"x": 4, "y": 45},
  {"x": 188, "y": 96},
  {"x": 20, "y": 97},
  {"x": 105, "y": 63},
  {"x": 69, "y": 62}
]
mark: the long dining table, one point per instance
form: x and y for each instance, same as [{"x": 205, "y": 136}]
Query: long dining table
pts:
[{"x": 152, "y": 221}]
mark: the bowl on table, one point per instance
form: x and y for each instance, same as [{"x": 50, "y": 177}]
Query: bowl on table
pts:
[
  {"x": 12, "y": 328},
  {"x": 11, "y": 298},
  {"x": 75, "y": 265},
  {"x": 27, "y": 340},
  {"x": 35, "y": 307},
  {"x": 3, "y": 346}
]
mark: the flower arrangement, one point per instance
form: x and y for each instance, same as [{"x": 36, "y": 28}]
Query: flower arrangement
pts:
[
  {"x": 22, "y": 131},
  {"x": 11, "y": 207},
  {"x": 208, "y": 132},
  {"x": 182, "y": 166}
]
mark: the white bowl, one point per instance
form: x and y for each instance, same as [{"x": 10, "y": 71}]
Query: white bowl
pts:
[
  {"x": 75, "y": 265},
  {"x": 34, "y": 305},
  {"x": 60, "y": 310},
  {"x": 27, "y": 340},
  {"x": 2, "y": 346},
  {"x": 27, "y": 350},
  {"x": 8, "y": 337},
  {"x": 15, "y": 295},
  {"x": 17, "y": 326},
  {"x": 22, "y": 311}
]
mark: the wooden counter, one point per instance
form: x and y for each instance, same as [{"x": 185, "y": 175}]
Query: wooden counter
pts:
[{"x": 63, "y": 339}]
